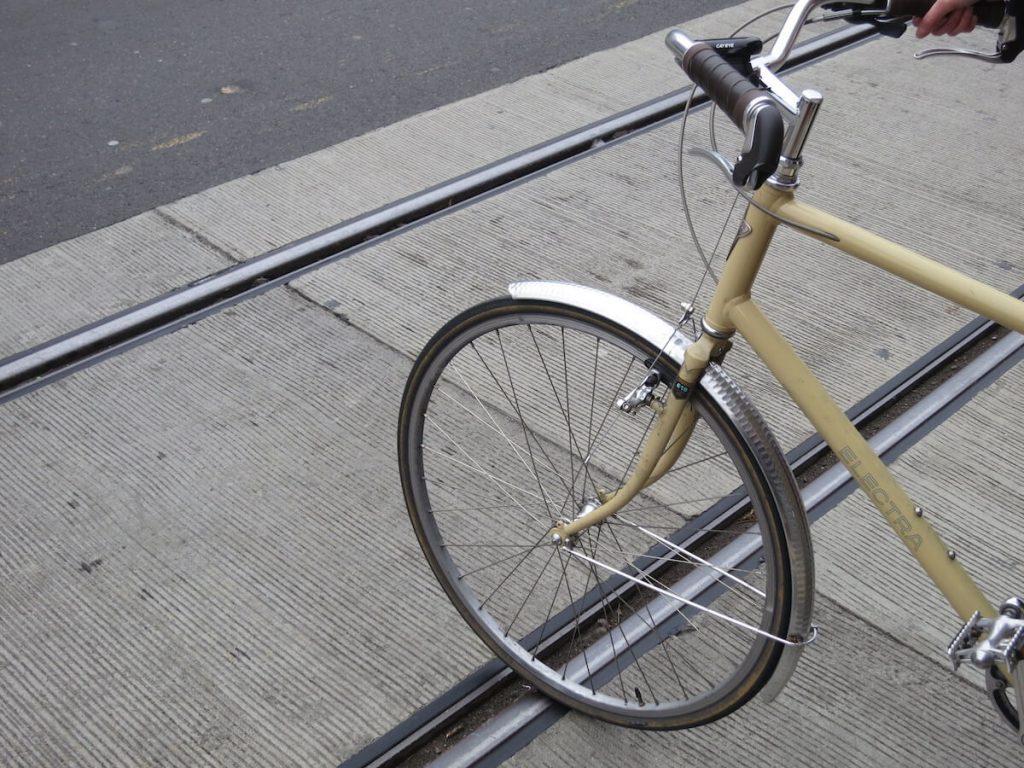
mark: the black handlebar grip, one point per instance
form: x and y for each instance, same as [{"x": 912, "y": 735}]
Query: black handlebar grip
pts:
[
  {"x": 734, "y": 93},
  {"x": 730, "y": 90},
  {"x": 989, "y": 13}
]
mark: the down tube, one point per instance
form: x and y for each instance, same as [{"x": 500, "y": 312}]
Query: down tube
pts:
[{"x": 863, "y": 464}]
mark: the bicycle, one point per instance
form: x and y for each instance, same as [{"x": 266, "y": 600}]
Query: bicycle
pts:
[{"x": 603, "y": 504}]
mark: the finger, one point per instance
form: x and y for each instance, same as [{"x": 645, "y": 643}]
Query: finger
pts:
[
  {"x": 966, "y": 22},
  {"x": 955, "y": 22},
  {"x": 942, "y": 27},
  {"x": 930, "y": 21},
  {"x": 936, "y": 20}
]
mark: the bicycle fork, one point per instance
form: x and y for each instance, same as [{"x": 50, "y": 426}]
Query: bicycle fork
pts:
[{"x": 668, "y": 437}]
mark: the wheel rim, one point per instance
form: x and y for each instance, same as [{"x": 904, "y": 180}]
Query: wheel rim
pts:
[{"x": 510, "y": 445}]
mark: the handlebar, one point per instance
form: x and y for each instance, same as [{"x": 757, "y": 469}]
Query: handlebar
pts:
[
  {"x": 752, "y": 108},
  {"x": 747, "y": 105}
]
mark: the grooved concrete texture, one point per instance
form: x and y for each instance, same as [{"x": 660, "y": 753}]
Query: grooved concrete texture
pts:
[
  {"x": 210, "y": 567},
  {"x": 204, "y": 557}
]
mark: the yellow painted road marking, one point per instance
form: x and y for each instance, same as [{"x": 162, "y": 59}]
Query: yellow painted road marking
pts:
[
  {"x": 124, "y": 170},
  {"x": 179, "y": 140},
  {"x": 313, "y": 104}
]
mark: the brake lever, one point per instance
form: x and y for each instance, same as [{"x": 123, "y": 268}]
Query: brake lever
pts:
[
  {"x": 716, "y": 158},
  {"x": 992, "y": 58},
  {"x": 1009, "y": 43}
]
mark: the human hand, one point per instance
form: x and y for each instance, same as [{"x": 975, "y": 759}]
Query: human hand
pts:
[{"x": 947, "y": 17}]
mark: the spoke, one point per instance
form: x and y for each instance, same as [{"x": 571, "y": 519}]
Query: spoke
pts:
[
  {"x": 604, "y": 610},
  {"x": 573, "y": 445},
  {"x": 692, "y": 556},
  {"x": 653, "y": 626},
  {"x": 488, "y": 507},
  {"x": 514, "y": 402},
  {"x": 528, "y": 432},
  {"x": 679, "y": 598},
  {"x": 533, "y": 471},
  {"x": 568, "y": 414},
  {"x": 533, "y": 588},
  {"x": 480, "y": 545},
  {"x": 625, "y": 640},
  {"x": 476, "y": 466},
  {"x": 636, "y": 452},
  {"x": 507, "y": 577},
  {"x": 576, "y": 621},
  {"x": 611, "y": 632},
  {"x": 593, "y": 399},
  {"x": 520, "y": 551},
  {"x": 547, "y": 618},
  {"x": 695, "y": 462},
  {"x": 495, "y": 427},
  {"x": 610, "y": 410}
]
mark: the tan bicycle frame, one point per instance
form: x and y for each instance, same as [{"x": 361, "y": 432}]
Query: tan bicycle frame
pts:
[{"x": 732, "y": 309}]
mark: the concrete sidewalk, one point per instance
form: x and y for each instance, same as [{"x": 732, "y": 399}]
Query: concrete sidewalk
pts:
[{"x": 204, "y": 554}]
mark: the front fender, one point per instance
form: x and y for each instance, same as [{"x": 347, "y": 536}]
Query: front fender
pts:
[{"x": 637, "y": 319}]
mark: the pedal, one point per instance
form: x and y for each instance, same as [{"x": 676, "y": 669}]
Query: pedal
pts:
[
  {"x": 1003, "y": 641},
  {"x": 962, "y": 645}
]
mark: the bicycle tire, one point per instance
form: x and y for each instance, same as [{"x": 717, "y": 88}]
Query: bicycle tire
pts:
[{"x": 584, "y": 638}]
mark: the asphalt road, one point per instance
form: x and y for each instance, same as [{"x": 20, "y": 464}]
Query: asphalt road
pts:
[{"x": 111, "y": 107}]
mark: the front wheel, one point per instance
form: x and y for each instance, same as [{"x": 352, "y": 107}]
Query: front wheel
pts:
[{"x": 666, "y": 615}]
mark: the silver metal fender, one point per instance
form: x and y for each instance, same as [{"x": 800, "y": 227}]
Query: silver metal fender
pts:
[
  {"x": 726, "y": 394},
  {"x": 625, "y": 313}
]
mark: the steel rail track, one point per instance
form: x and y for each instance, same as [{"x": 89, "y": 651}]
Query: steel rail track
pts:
[{"x": 59, "y": 357}]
